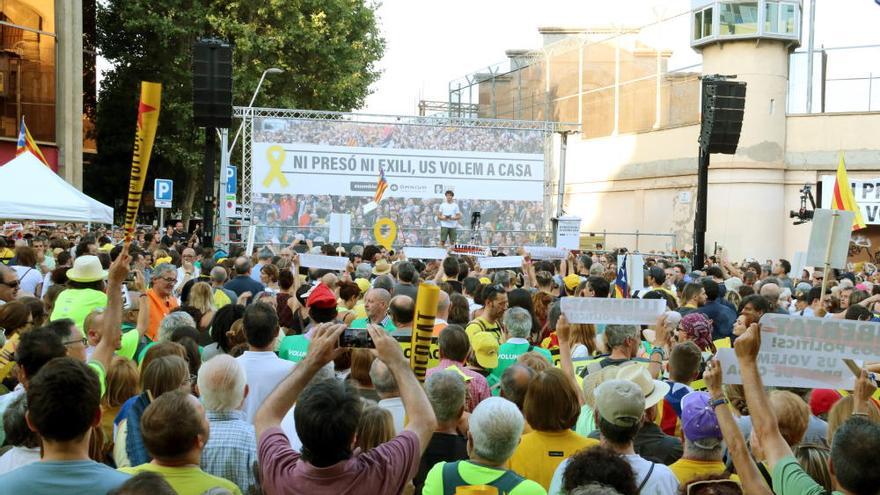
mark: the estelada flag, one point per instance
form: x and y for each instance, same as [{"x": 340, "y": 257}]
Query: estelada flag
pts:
[
  {"x": 842, "y": 196},
  {"x": 26, "y": 143},
  {"x": 381, "y": 186}
]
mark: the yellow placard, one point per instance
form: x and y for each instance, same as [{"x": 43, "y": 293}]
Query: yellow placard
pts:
[
  {"x": 423, "y": 332},
  {"x": 147, "y": 122},
  {"x": 386, "y": 240}
]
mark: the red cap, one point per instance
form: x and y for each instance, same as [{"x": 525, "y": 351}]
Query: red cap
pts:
[
  {"x": 321, "y": 297},
  {"x": 822, "y": 400}
]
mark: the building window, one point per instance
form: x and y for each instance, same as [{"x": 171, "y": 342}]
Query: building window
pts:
[
  {"x": 703, "y": 23},
  {"x": 739, "y": 19},
  {"x": 779, "y": 18}
]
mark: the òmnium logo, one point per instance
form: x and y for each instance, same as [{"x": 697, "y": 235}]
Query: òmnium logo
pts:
[
  {"x": 363, "y": 186},
  {"x": 371, "y": 187}
]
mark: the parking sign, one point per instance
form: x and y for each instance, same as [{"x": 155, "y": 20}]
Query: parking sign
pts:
[
  {"x": 231, "y": 179},
  {"x": 163, "y": 191}
]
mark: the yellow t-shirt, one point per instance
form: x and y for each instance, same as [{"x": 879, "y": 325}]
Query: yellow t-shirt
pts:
[
  {"x": 187, "y": 479},
  {"x": 540, "y": 453},
  {"x": 686, "y": 469}
]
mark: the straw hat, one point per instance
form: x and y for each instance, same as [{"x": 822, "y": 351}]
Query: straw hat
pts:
[
  {"x": 382, "y": 267},
  {"x": 638, "y": 373},
  {"x": 87, "y": 269}
]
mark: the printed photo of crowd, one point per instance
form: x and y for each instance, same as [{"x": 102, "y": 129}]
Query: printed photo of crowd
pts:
[
  {"x": 400, "y": 136},
  {"x": 282, "y": 217}
]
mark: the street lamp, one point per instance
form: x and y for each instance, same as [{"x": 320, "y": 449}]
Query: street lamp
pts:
[{"x": 224, "y": 160}]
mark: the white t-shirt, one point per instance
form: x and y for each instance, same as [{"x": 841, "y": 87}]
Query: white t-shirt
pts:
[
  {"x": 449, "y": 210},
  {"x": 264, "y": 371},
  {"x": 661, "y": 482},
  {"x": 29, "y": 279}
]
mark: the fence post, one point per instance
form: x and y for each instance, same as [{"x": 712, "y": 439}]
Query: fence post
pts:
[{"x": 637, "y": 240}]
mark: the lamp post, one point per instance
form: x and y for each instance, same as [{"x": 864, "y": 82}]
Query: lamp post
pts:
[{"x": 224, "y": 160}]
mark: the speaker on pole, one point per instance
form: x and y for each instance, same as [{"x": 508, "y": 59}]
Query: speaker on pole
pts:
[
  {"x": 723, "y": 108},
  {"x": 212, "y": 108},
  {"x": 212, "y": 83}
]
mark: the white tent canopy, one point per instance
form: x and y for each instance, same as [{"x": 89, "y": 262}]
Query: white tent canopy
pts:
[{"x": 29, "y": 190}]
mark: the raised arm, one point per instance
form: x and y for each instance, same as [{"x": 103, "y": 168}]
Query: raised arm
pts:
[
  {"x": 660, "y": 348},
  {"x": 322, "y": 349},
  {"x": 749, "y": 475},
  {"x": 418, "y": 409},
  {"x": 563, "y": 334},
  {"x": 111, "y": 329},
  {"x": 763, "y": 418}
]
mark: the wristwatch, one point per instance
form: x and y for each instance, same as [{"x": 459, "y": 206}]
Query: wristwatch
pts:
[
  {"x": 659, "y": 350},
  {"x": 717, "y": 402}
]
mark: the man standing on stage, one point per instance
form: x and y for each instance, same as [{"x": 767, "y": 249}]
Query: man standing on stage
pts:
[{"x": 449, "y": 216}]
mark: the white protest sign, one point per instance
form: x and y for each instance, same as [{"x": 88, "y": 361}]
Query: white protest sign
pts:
[
  {"x": 547, "y": 253},
  {"x": 790, "y": 370},
  {"x": 830, "y": 228},
  {"x": 500, "y": 262},
  {"x": 568, "y": 232},
  {"x": 619, "y": 311},
  {"x": 423, "y": 253},
  {"x": 798, "y": 264},
  {"x": 251, "y": 234},
  {"x": 635, "y": 271},
  {"x": 336, "y": 263},
  {"x": 830, "y": 337},
  {"x": 866, "y": 192},
  {"x": 340, "y": 227}
]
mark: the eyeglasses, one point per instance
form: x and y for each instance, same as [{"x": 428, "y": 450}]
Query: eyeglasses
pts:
[
  {"x": 84, "y": 341},
  {"x": 695, "y": 486},
  {"x": 11, "y": 285},
  {"x": 170, "y": 280}
]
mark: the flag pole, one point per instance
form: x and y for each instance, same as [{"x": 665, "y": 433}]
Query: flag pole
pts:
[{"x": 834, "y": 217}]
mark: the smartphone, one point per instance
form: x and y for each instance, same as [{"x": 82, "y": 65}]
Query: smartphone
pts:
[{"x": 356, "y": 337}]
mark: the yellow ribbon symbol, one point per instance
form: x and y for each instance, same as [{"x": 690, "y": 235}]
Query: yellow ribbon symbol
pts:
[
  {"x": 385, "y": 239},
  {"x": 275, "y": 155}
]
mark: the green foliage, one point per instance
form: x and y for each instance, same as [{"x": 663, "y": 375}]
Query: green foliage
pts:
[{"x": 327, "y": 49}]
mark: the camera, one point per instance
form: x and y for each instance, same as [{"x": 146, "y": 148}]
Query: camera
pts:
[
  {"x": 356, "y": 337},
  {"x": 804, "y": 214}
]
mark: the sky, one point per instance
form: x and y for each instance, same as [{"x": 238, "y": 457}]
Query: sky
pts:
[{"x": 431, "y": 42}]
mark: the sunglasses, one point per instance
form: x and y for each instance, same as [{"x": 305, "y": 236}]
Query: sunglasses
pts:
[{"x": 11, "y": 285}]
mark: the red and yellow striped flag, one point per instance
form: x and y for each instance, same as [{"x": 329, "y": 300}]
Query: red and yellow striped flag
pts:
[
  {"x": 842, "y": 196},
  {"x": 26, "y": 143}
]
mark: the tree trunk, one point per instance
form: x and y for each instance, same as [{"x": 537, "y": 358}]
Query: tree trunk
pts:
[{"x": 192, "y": 186}]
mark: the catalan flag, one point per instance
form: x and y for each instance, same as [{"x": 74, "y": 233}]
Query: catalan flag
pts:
[
  {"x": 842, "y": 196},
  {"x": 621, "y": 284},
  {"x": 26, "y": 143},
  {"x": 381, "y": 186}
]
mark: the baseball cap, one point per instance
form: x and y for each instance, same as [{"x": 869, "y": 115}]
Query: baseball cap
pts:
[
  {"x": 363, "y": 284},
  {"x": 486, "y": 349},
  {"x": 572, "y": 281},
  {"x": 321, "y": 297},
  {"x": 620, "y": 402},
  {"x": 698, "y": 420}
]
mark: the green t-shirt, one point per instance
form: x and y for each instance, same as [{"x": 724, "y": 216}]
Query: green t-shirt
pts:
[
  {"x": 102, "y": 374},
  {"x": 187, "y": 479},
  {"x": 293, "y": 348},
  {"x": 507, "y": 355},
  {"x": 476, "y": 475},
  {"x": 789, "y": 478},
  {"x": 76, "y": 304},
  {"x": 586, "y": 422},
  {"x": 129, "y": 344},
  {"x": 362, "y": 323}
]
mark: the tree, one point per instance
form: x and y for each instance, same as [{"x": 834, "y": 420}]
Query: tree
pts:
[{"x": 327, "y": 48}]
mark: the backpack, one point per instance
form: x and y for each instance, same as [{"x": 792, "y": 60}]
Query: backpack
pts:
[{"x": 505, "y": 483}]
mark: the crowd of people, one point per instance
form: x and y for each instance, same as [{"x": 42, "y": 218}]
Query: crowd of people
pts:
[
  {"x": 163, "y": 367},
  {"x": 283, "y": 217}
]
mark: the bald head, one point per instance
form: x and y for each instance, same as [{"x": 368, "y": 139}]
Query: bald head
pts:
[
  {"x": 330, "y": 280},
  {"x": 222, "y": 383},
  {"x": 218, "y": 275},
  {"x": 402, "y": 310},
  {"x": 515, "y": 382},
  {"x": 242, "y": 266},
  {"x": 443, "y": 306},
  {"x": 770, "y": 292}
]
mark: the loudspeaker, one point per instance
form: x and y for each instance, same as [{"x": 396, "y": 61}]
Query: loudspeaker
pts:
[
  {"x": 212, "y": 83},
  {"x": 723, "y": 108}
]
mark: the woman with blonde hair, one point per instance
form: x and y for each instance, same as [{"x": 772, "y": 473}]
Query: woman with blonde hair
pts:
[
  {"x": 201, "y": 297},
  {"x": 376, "y": 427},
  {"x": 842, "y": 411},
  {"x": 122, "y": 384}
]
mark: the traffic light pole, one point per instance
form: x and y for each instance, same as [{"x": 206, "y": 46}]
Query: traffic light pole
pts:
[{"x": 701, "y": 214}]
